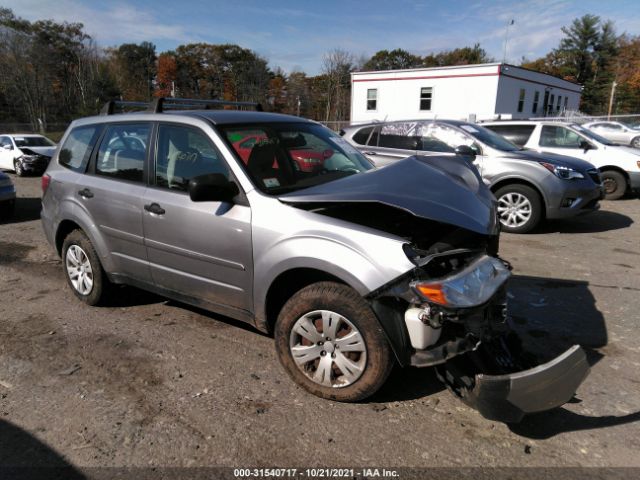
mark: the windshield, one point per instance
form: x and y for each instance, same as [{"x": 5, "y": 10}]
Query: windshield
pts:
[
  {"x": 284, "y": 157},
  {"x": 33, "y": 142},
  {"x": 594, "y": 136},
  {"x": 489, "y": 138}
]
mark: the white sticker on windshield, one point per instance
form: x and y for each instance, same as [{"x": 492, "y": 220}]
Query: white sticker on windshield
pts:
[
  {"x": 342, "y": 143},
  {"x": 271, "y": 182},
  {"x": 469, "y": 128}
]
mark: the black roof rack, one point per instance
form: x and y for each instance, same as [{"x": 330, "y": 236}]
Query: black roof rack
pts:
[{"x": 160, "y": 104}]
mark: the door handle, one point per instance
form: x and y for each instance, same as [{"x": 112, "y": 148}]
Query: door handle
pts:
[
  {"x": 85, "y": 193},
  {"x": 154, "y": 208},
  {"x": 370, "y": 153}
]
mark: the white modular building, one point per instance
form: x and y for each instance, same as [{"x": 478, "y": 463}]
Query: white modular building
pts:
[{"x": 465, "y": 92}]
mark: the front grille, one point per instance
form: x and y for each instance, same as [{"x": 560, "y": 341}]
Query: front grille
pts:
[{"x": 595, "y": 176}]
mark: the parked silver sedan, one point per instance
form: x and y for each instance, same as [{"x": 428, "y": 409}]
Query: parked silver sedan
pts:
[
  {"x": 616, "y": 132},
  {"x": 529, "y": 186}
]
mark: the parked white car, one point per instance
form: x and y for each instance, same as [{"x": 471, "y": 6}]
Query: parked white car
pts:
[
  {"x": 619, "y": 165},
  {"x": 616, "y": 132},
  {"x": 25, "y": 153}
]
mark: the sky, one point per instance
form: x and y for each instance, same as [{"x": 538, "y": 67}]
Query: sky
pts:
[{"x": 294, "y": 35}]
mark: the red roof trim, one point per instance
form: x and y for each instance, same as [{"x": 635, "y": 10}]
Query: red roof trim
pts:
[{"x": 422, "y": 78}]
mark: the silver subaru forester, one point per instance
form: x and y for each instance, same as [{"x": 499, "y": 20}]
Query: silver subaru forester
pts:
[{"x": 279, "y": 222}]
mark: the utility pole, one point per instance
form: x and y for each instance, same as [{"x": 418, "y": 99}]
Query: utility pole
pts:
[
  {"x": 613, "y": 92},
  {"x": 506, "y": 40}
]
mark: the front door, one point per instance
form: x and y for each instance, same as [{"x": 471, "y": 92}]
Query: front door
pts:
[
  {"x": 6, "y": 153},
  {"x": 198, "y": 249},
  {"x": 564, "y": 141}
]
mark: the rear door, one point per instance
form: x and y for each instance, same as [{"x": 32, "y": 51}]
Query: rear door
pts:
[
  {"x": 517, "y": 134},
  {"x": 199, "y": 249},
  {"x": 391, "y": 142},
  {"x": 112, "y": 192}
]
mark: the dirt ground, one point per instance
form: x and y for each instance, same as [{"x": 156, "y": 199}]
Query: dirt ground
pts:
[{"x": 151, "y": 382}]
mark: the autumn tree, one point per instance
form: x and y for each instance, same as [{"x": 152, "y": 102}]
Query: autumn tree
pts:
[
  {"x": 167, "y": 74},
  {"x": 134, "y": 67},
  {"x": 337, "y": 66}
]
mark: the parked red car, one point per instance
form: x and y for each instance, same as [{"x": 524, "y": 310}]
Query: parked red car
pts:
[{"x": 308, "y": 159}]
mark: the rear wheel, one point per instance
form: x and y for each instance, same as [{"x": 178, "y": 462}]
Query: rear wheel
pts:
[
  {"x": 635, "y": 142},
  {"x": 519, "y": 208},
  {"x": 330, "y": 342},
  {"x": 83, "y": 270},
  {"x": 615, "y": 184}
]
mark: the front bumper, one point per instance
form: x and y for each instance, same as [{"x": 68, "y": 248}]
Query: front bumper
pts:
[
  {"x": 34, "y": 164},
  {"x": 509, "y": 397},
  {"x": 577, "y": 199},
  {"x": 634, "y": 180}
]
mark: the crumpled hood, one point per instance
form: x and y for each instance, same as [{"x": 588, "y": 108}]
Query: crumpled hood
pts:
[
  {"x": 443, "y": 189},
  {"x": 556, "y": 159},
  {"x": 46, "y": 151}
]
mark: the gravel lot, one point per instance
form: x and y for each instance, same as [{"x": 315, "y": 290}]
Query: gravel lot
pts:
[{"x": 147, "y": 381}]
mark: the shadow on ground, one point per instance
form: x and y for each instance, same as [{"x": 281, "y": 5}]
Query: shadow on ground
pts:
[
  {"x": 600, "y": 221},
  {"x": 22, "y": 457}
]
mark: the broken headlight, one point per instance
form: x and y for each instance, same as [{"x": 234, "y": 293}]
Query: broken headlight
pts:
[{"x": 470, "y": 287}]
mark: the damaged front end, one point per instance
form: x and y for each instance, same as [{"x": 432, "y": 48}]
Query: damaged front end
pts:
[{"x": 450, "y": 309}]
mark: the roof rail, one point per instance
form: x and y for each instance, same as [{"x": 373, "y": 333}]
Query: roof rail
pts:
[
  {"x": 110, "y": 106},
  {"x": 160, "y": 104}
]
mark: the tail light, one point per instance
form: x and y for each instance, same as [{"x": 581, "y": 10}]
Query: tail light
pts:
[{"x": 46, "y": 179}]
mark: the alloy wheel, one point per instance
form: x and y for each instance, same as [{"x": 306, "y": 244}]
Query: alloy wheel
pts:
[
  {"x": 17, "y": 166},
  {"x": 79, "y": 270},
  {"x": 514, "y": 209},
  {"x": 328, "y": 348}
]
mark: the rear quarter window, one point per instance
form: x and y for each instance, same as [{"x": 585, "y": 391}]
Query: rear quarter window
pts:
[
  {"x": 518, "y": 134},
  {"x": 76, "y": 149}
]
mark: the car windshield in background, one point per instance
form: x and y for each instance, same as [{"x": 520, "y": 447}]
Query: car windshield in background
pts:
[
  {"x": 588, "y": 133},
  {"x": 489, "y": 138},
  {"x": 33, "y": 142},
  {"x": 283, "y": 157}
]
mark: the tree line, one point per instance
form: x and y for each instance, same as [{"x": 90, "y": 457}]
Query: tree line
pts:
[{"x": 54, "y": 72}]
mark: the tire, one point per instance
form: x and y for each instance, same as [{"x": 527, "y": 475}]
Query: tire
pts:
[
  {"x": 18, "y": 168},
  {"x": 77, "y": 250},
  {"x": 369, "y": 359},
  {"x": 527, "y": 206},
  {"x": 635, "y": 142},
  {"x": 615, "y": 184}
]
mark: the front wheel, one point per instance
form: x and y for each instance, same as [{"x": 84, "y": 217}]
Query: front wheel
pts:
[
  {"x": 635, "y": 142},
  {"x": 615, "y": 185},
  {"x": 330, "y": 342},
  {"x": 519, "y": 208},
  {"x": 18, "y": 168}
]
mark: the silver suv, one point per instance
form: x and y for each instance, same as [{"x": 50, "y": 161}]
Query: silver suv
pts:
[
  {"x": 277, "y": 221},
  {"x": 529, "y": 186}
]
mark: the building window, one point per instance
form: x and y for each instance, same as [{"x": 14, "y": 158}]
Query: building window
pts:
[
  {"x": 558, "y": 104},
  {"x": 552, "y": 100},
  {"x": 536, "y": 99},
  {"x": 566, "y": 102},
  {"x": 426, "y": 95},
  {"x": 521, "y": 100},
  {"x": 372, "y": 99}
]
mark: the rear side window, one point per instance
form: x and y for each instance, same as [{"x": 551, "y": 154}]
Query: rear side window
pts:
[
  {"x": 366, "y": 136},
  {"x": 402, "y": 136},
  {"x": 123, "y": 151},
  {"x": 75, "y": 151},
  {"x": 518, "y": 134}
]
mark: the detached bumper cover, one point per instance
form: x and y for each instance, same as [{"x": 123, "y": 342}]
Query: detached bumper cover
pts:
[{"x": 508, "y": 398}]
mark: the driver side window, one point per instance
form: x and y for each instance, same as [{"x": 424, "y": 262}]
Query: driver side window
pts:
[
  {"x": 442, "y": 138},
  {"x": 183, "y": 153},
  {"x": 559, "y": 137}
]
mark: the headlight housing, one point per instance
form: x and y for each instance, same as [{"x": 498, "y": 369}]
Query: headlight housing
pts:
[
  {"x": 470, "y": 287},
  {"x": 559, "y": 171}
]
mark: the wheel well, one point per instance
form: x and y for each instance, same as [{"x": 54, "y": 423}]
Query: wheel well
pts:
[
  {"x": 615, "y": 169},
  {"x": 517, "y": 181},
  {"x": 64, "y": 229},
  {"x": 287, "y": 284}
]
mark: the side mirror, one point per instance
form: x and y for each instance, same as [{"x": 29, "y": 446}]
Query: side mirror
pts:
[
  {"x": 465, "y": 151},
  {"x": 585, "y": 145},
  {"x": 212, "y": 187}
]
